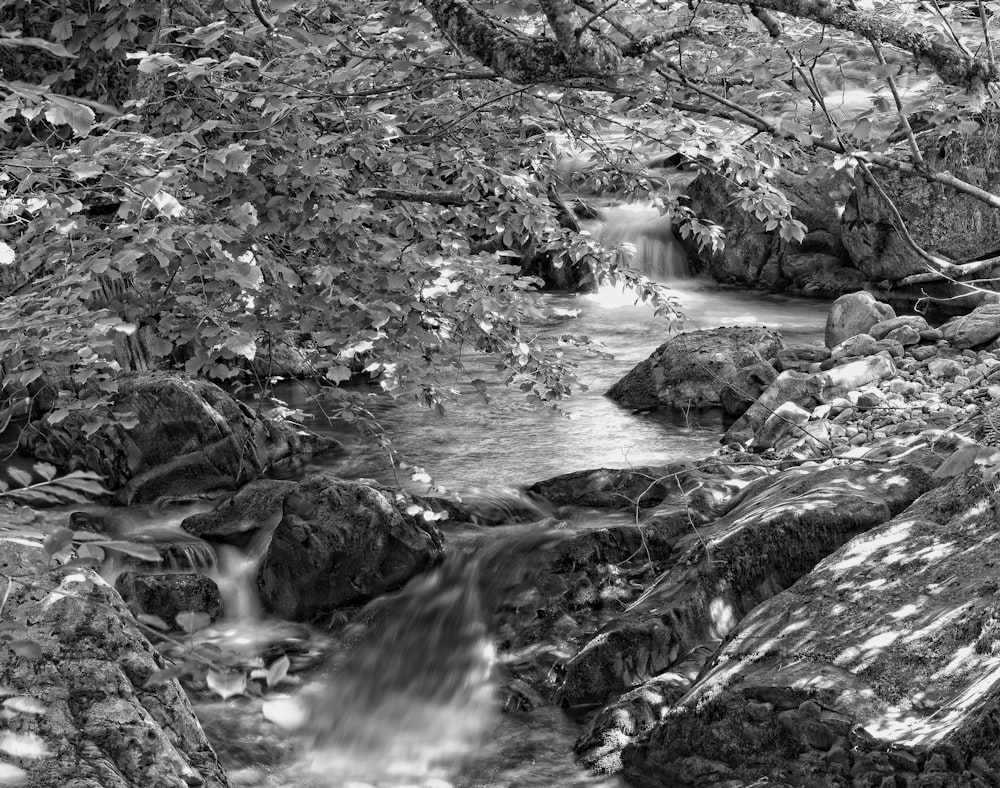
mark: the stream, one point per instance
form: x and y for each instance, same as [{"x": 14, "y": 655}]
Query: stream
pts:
[{"x": 409, "y": 697}]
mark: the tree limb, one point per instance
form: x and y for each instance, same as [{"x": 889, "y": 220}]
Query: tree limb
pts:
[{"x": 401, "y": 195}]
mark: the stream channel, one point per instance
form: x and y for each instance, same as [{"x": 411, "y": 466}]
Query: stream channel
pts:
[{"x": 415, "y": 704}]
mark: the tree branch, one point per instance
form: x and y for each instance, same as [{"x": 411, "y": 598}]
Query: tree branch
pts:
[{"x": 401, "y": 195}]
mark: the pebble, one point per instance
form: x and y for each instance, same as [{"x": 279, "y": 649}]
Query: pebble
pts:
[{"x": 923, "y": 352}]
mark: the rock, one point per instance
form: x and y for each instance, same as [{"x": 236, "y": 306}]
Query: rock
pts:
[
  {"x": 923, "y": 352},
  {"x": 800, "y": 388},
  {"x": 788, "y": 418},
  {"x": 256, "y": 506},
  {"x": 800, "y": 357},
  {"x": 168, "y": 435},
  {"x": 341, "y": 542},
  {"x": 904, "y": 335},
  {"x": 691, "y": 370},
  {"x": 702, "y": 487},
  {"x": 854, "y": 375},
  {"x": 167, "y": 595},
  {"x": 854, "y": 313},
  {"x": 891, "y": 633},
  {"x": 890, "y": 347},
  {"x": 777, "y": 532},
  {"x": 944, "y": 368},
  {"x": 758, "y": 257},
  {"x": 857, "y": 345},
  {"x": 979, "y": 327},
  {"x": 886, "y": 327},
  {"x": 754, "y": 380},
  {"x": 956, "y": 226},
  {"x": 104, "y": 722}
]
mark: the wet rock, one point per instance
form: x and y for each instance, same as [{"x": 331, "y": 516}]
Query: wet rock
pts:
[
  {"x": 341, "y": 542},
  {"x": 692, "y": 369},
  {"x": 854, "y": 313},
  {"x": 103, "y": 723},
  {"x": 979, "y": 327},
  {"x": 168, "y": 435},
  {"x": 255, "y": 506},
  {"x": 890, "y": 632},
  {"x": 777, "y": 532},
  {"x": 167, "y": 595}
]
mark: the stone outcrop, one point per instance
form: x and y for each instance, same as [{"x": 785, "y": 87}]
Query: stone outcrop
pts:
[
  {"x": 168, "y": 436},
  {"x": 81, "y": 671},
  {"x": 693, "y": 369},
  {"x": 340, "y": 542},
  {"x": 941, "y": 221},
  {"x": 876, "y": 666},
  {"x": 756, "y": 256}
]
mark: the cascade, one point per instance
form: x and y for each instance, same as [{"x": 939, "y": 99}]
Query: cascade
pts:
[{"x": 648, "y": 236}]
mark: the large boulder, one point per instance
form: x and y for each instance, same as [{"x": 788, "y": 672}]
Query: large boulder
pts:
[
  {"x": 692, "y": 370},
  {"x": 941, "y": 220},
  {"x": 979, "y": 327},
  {"x": 852, "y": 314},
  {"x": 166, "y": 435},
  {"x": 80, "y": 675},
  {"x": 779, "y": 530},
  {"x": 341, "y": 542},
  {"x": 877, "y": 668},
  {"x": 756, "y": 256}
]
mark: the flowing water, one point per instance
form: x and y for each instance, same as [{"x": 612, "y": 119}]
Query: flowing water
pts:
[{"x": 407, "y": 696}]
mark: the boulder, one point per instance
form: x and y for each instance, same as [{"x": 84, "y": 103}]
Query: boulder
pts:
[
  {"x": 940, "y": 220},
  {"x": 854, "y": 313},
  {"x": 853, "y": 346},
  {"x": 167, "y": 435},
  {"x": 82, "y": 673},
  {"x": 780, "y": 528},
  {"x": 341, "y": 542},
  {"x": 754, "y": 380},
  {"x": 800, "y": 357},
  {"x": 166, "y": 595},
  {"x": 886, "y": 327},
  {"x": 239, "y": 517},
  {"x": 877, "y": 668},
  {"x": 756, "y": 256},
  {"x": 691, "y": 370},
  {"x": 979, "y": 327},
  {"x": 800, "y": 388}
]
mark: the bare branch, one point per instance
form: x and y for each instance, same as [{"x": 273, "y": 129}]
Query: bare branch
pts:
[{"x": 402, "y": 195}]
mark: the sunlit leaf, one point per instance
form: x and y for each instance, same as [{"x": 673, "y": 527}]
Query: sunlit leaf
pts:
[
  {"x": 226, "y": 685},
  {"x": 24, "y": 704},
  {"x": 23, "y": 745}
]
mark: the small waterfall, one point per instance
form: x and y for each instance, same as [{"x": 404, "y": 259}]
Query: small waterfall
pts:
[
  {"x": 413, "y": 695},
  {"x": 648, "y": 237}
]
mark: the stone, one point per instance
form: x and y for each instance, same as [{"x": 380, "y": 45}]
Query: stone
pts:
[
  {"x": 778, "y": 531},
  {"x": 787, "y": 419},
  {"x": 754, "y": 380},
  {"x": 341, "y": 542},
  {"x": 922, "y": 352},
  {"x": 692, "y": 369},
  {"x": 980, "y": 327},
  {"x": 944, "y": 368},
  {"x": 800, "y": 357},
  {"x": 169, "y": 436},
  {"x": 800, "y": 388},
  {"x": 854, "y": 375},
  {"x": 856, "y": 345},
  {"x": 854, "y": 313},
  {"x": 104, "y": 722},
  {"x": 166, "y": 595},
  {"x": 904, "y": 335},
  {"x": 758, "y": 257},
  {"x": 890, "y": 631},
  {"x": 884, "y": 328},
  {"x": 239, "y": 517}
]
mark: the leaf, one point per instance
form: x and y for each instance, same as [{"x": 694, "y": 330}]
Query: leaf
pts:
[
  {"x": 36, "y": 43},
  {"x": 63, "y": 111},
  {"x": 57, "y": 540},
  {"x": 24, "y": 704},
  {"x": 29, "y": 746},
  {"x": 191, "y": 621},
  {"x": 20, "y": 476},
  {"x": 45, "y": 470},
  {"x": 12, "y": 775},
  {"x": 226, "y": 685},
  {"x": 7, "y": 256},
  {"x": 153, "y": 621},
  {"x": 277, "y": 671}
]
